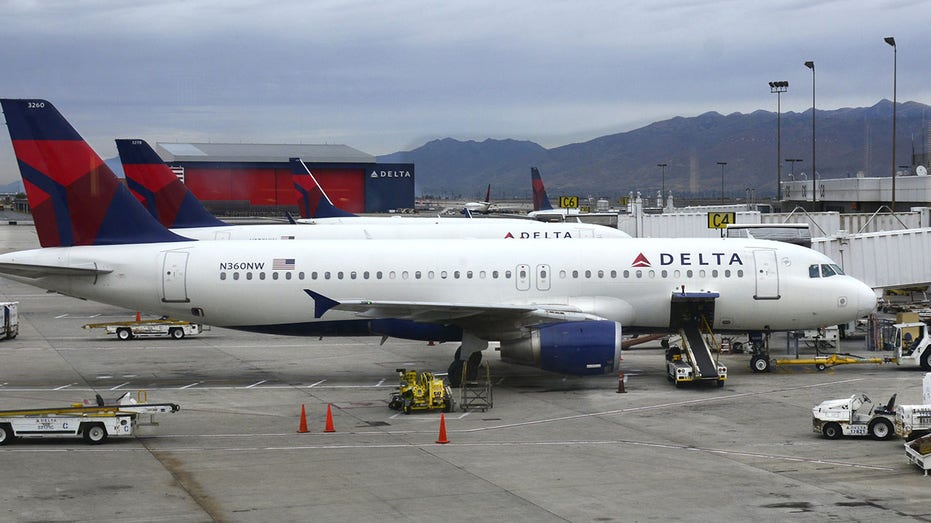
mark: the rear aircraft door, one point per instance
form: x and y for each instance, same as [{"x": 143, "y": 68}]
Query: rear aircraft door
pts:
[
  {"x": 543, "y": 277},
  {"x": 767, "y": 275},
  {"x": 174, "y": 277},
  {"x": 523, "y": 277}
]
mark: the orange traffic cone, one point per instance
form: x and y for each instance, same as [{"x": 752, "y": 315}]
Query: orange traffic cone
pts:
[
  {"x": 442, "y": 437},
  {"x": 303, "y": 425},
  {"x": 329, "y": 420}
]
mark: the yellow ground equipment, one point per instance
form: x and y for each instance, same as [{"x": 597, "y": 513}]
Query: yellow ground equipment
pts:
[
  {"x": 831, "y": 360},
  {"x": 421, "y": 392}
]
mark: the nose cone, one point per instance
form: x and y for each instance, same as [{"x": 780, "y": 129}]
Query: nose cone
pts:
[{"x": 866, "y": 300}]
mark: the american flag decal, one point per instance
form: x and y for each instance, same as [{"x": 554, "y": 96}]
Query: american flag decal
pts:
[{"x": 283, "y": 264}]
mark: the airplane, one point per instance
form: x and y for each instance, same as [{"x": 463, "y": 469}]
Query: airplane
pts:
[
  {"x": 170, "y": 201},
  {"x": 313, "y": 202},
  {"x": 558, "y": 309},
  {"x": 156, "y": 186},
  {"x": 479, "y": 207},
  {"x": 542, "y": 209}
]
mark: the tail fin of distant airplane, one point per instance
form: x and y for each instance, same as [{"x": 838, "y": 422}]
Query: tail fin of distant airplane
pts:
[
  {"x": 488, "y": 194},
  {"x": 540, "y": 200},
  {"x": 157, "y": 187},
  {"x": 313, "y": 202},
  {"x": 75, "y": 198}
]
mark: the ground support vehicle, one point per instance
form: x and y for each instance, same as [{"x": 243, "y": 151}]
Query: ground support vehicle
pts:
[
  {"x": 127, "y": 330},
  {"x": 421, "y": 392},
  {"x": 912, "y": 421},
  {"x": 854, "y": 416},
  {"x": 693, "y": 361},
  {"x": 94, "y": 423},
  {"x": 831, "y": 360},
  {"x": 912, "y": 342},
  {"x": 918, "y": 451},
  {"x": 9, "y": 327}
]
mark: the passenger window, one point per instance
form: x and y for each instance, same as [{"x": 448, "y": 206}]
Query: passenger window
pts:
[
  {"x": 639, "y": 274},
  {"x": 431, "y": 275},
  {"x": 222, "y": 276},
  {"x": 740, "y": 273},
  {"x": 326, "y": 275},
  {"x": 665, "y": 273},
  {"x": 300, "y": 275},
  {"x": 339, "y": 275},
  {"x": 352, "y": 275},
  {"x": 287, "y": 275},
  {"x": 588, "y": 274},
  {"x": 365, "y": 275},
  {"x": 405, "y": 275},
  {"x": 378, "y": 275},
  {"x": 613, "y": 274},
  {"x": 443, "y": 274},
  {"x": 627, "y": 274},
  {"x": 235, "y": 275},
  {"x": 688, "y": 273},
  {"x": 562, "y": 274},
  {"x": 575, "y": 274},
  {"x": 392, "y": 275},
  {"x": 507, "y": 275},
  {"x": 469, "y": 274},
  {"x": 456, "y": 274},
  {"x": 417, "y": 275},
  {"x": 248, "y": 275},
  {"x": 274, "y": 275},
  {"x": 261, "y": 275},
  {"x": 601, "y": 274}
]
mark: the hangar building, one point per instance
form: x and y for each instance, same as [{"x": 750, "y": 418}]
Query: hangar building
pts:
[{"x": 257, "y": 178}]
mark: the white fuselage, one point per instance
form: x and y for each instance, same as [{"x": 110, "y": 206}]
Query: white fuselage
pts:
[{"x": 759, "y": 284}]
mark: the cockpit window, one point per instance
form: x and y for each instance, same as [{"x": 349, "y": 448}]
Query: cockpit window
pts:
[{"x": 824, "y": 270}]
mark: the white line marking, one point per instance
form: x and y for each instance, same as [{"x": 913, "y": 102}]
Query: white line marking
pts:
[
  {"x": 191, "y": 385},
  {"x": 63, "y": 386},
  {"x": 256, "y": 384},
  {"x": 312, "y": 385},
  {"x": 380, "y": 382},
  {"x": 120, "y": 385}
]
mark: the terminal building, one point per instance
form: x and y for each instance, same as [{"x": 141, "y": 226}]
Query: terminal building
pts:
[
  {"x": 256, "y": 178},
  {"x": 860, "y": 194}
]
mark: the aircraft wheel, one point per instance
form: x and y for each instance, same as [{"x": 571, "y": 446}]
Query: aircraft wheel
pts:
[
  {"x": 454, "y": 373},
  {"x": 95, "y": 434},
  {"x": 759, "y": 363},
  {"x": 176, "y": 333},
  {"x": 124, "y": 334},
  {"x": 881, "y": 429},
  {"x": 832, "y": 431},
  {"x": 475, "y": 359},
  {"x": 926, "y": 360}
]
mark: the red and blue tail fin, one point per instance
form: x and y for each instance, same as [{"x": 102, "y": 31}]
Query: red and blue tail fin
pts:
[
  {"x": 75, "y": 198},
  {"x": 157, "y": 187},
  {"x": 488, "y": 194},
  {"x": 540, "y": 200},
  {"x": 313, "y": 202}
]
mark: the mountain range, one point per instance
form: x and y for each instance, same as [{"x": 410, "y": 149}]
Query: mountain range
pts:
[{"x": 849, "y": 141}]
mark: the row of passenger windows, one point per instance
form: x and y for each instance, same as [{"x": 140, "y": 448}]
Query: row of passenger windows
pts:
[{"x": 482, "y": 275}]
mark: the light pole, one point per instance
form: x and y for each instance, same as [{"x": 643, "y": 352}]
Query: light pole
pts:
[
  {"x": 895, "y": 52},
  {"x": 814, "y": 172},
  {"x": 778, "y": 88},
  {"x": 663, "y": 191},
  {"x": 793, "y": 161},
  {"x": 722, "y": 164}
]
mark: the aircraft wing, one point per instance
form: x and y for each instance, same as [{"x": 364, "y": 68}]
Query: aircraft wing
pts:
[
  {"x": 459, "y": 313},
  {"x": 29, "y": 270}
]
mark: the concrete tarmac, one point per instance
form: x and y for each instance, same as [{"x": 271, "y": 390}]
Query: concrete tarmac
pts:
[{"x": 552, "y": 448}]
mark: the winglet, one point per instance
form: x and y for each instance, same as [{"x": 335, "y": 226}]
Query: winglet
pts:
[
  {"x": 540, "y": 201},
  {"x": 313, "y": 202},
  {"x": 321, "y": 303},
  {"x": 157, "y": 187},
  {"x": 74, "y": 197}
]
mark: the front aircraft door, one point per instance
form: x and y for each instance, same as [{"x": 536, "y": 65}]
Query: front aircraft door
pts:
[
  {"x": 767, "y": 275},
  {"x": 174, "y": 277}
]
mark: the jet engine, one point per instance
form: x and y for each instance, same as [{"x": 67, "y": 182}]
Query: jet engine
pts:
[{"x": 580, "y": 348}]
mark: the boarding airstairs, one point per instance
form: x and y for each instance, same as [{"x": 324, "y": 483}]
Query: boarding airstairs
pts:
[{"x": 697, "y": 362}]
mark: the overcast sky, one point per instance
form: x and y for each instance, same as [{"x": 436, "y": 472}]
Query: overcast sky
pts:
[{"x": 389, "y": 76}]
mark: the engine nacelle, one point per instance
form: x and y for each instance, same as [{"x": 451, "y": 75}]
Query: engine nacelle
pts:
[{"x": 580, "y": 348}]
